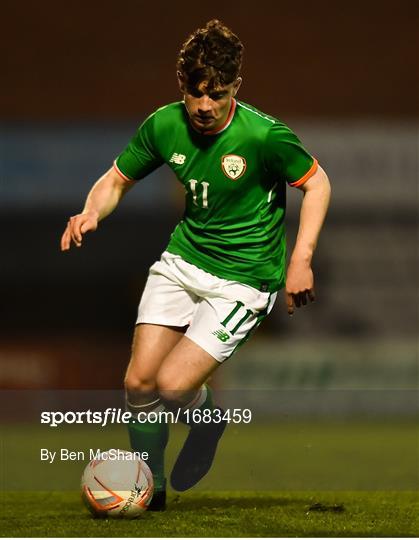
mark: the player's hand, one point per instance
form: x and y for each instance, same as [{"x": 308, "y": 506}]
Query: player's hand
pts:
[
  {"x": 299, "y": 287},
  {"x": 77, "y": 226}
]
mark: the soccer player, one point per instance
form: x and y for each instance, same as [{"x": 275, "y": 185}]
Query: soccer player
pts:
[{"x": 226, "y": 259}]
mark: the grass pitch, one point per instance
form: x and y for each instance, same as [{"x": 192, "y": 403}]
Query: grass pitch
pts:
[
  {"x": 282, "y": 479},
  {"x": 215, "y": 514}
]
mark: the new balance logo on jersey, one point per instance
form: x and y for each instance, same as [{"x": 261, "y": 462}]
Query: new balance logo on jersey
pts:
[
  {"x": 179, "y": 159},
  {"x": 222, "y": 336}
]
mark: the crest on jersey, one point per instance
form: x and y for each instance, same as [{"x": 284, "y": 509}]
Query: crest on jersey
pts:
[{"x": 233, "y": 166}]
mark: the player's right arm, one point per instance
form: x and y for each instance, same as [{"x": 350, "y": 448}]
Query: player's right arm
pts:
[{"x": 100, "y": 202}]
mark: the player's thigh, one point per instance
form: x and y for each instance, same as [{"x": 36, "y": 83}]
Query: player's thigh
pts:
[
  {"x": 183, "y": 371},
  {"x": 221, "y": 323},
  {"x": 166, "y": 307},
  {"x": 151, "y": 345}
]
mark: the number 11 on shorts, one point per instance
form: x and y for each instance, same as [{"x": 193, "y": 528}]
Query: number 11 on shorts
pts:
[{"x": 233, "y": 313}]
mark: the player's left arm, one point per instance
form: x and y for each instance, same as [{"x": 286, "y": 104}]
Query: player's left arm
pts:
[{"x": 299, "y": 286}]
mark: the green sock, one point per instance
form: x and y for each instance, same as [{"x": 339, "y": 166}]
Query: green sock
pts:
[
  {"x": 204, "y": 402},
  {"x": 152, "y": 438}
]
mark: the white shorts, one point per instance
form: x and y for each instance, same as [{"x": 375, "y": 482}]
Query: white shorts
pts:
[{"x": 220, "y": 314}]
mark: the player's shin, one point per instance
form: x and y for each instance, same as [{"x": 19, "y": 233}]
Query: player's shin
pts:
[{"x": 149, "y": 433}]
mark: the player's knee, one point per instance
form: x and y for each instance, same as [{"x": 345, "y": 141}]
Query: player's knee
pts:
[
  {"x": 172, "y": 392},
  {"x": 139, "y": 385}
]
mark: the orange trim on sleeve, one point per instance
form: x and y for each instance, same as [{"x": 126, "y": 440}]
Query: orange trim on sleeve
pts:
[
  {"x": 307, "y": 175},
  {"x": 121, "y": 174}
]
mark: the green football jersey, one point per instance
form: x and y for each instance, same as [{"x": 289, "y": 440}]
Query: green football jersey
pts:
[{"x": 235, "y": 181}]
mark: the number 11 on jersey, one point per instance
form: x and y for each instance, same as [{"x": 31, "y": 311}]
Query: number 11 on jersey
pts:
[{"x": 193, "y": 184}]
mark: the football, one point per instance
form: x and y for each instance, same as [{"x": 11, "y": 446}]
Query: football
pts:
[{"x": 117, "y": 484}]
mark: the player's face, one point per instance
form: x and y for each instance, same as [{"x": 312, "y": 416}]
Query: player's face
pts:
[{"x": 208, "y": 109}]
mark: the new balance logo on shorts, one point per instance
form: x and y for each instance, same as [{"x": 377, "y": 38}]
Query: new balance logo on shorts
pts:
[
  {"x": 179, "y": 159},
  {"x": 222, "y": 336}
]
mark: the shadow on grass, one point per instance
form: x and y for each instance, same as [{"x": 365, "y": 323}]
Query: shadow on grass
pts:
[{"x": 202, "y": 502}]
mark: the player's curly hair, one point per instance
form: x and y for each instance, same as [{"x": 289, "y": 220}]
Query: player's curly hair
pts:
[{"x": 212, "y": 53}]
